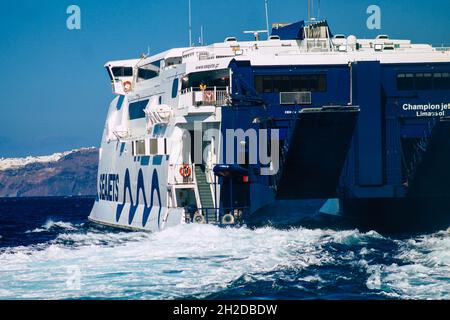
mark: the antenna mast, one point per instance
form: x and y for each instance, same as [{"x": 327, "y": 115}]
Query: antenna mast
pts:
[
  {"x": 318, "y": 9},
  {"x": 267, "y": 18},
  {"x": 309, "y": 10},
  {"x": 190, "y": 25},
  {"x": 202, "y": 41}
]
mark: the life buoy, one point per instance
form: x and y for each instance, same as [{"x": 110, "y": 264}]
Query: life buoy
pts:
[
  {"x": 198, "y": 218},
  {"x": 126, "y": 86},
  {"x": 185, "y": 171},
  {"x": 208, "y": 96},
  {"x": 228, "y": 219}
]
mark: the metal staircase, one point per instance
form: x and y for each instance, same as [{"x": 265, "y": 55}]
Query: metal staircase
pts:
[{"x": 204, "y": 191}]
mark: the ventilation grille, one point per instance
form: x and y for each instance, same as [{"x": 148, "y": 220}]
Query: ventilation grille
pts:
[{"x": 295, "y": 98}]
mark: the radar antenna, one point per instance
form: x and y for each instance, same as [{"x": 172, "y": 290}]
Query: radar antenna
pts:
[{"x": 256, "y": 33}]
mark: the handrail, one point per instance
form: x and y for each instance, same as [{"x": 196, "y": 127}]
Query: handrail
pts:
[
  {"x": 213, "y": 96},
  {"x": 239, "y": 213},
  {"x": 441, "y": 47}
]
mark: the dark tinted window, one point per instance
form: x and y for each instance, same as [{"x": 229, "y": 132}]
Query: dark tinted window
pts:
[
  {"x": 217, "y": 78},
  {"x": 424, "y": 81},
  {"x": 259, "y": 84},
  {"x": 136, "y": 109},
  {"x": 405, "y": 81},
  {"x": 144, "y": 74},
  {"x": 175, "y": 88},
  {"x": 267, "y": 84},
  {"x": 442, "y": 81},
  {"x": 149, "y": 71},
  {"x": 299, "y": 83},
  {"x": 122, "y": 71}
]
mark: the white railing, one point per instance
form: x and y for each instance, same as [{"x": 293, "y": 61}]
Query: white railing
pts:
[
  {"x": 442, "y": 47},
  {"x": 214, "y": 96}
]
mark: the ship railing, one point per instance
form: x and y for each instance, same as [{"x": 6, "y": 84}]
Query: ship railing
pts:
[
  {"x": 213, "y": 96},
  {"x": 180, "y": 174},
  {"x": 216, "y": 215},
  {"x": 442, "y": 47}
]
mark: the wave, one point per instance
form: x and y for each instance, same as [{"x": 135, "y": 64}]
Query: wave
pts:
[
  {"x": 424, "y": 271},
  {"x": 51, "y": 225},
  {"x": 203, "y": 261}
]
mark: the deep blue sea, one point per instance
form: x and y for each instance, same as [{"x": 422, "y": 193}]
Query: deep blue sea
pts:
[{"x": 48, "y": 250}]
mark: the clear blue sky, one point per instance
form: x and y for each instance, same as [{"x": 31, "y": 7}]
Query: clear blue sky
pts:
[{"x": 54, "y": 91}]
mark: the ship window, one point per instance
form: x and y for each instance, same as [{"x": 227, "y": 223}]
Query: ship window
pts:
[
  {"x": 405, "y": 81},
  {"x": 281, "y": 84},
  {"x": 139, "y": 148},
  {"x": 136, "y": 109},
  {"x": 157, "y": 147},
  {"x": 424, "y": 81},
  {"x": 153, "y": 146},
  {"x": 122, "y": 71},
  {"x": 321, "y": 83},
  {"x": 267, "y": 84},
  {"x": 300, "y": 83},
  {"x": 149, "y": 71},
  {"x": 175, "y": 88},
  {"x": 259, "y": 84},
  {"x": 215, "y": 78},
  {"x": 442, "y": 81},
  {"x": 144, "y": 74},
  {"x": 149, "y": 147}
]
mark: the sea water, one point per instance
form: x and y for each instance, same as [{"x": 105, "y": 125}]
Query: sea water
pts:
[{"x": 48, "y": 250}]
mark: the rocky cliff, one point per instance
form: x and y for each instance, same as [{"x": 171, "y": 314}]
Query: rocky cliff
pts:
[{"x": 72, "y": 173}]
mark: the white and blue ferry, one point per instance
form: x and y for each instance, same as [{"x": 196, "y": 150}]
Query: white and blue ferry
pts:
[{"x": 242, "y": 131}]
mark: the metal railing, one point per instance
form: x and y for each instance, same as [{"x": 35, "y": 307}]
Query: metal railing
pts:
[
  {"x": 215, "y": 215},
  {"x": 442, "y": 47},
  {"x": 214, "y": 96}
]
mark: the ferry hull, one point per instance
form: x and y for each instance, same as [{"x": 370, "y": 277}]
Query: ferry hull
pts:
[{"x": 399, "y": 215}]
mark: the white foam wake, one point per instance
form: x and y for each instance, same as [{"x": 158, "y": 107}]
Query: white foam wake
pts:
[
  {"x": 200, "y": 260},
  {"x": 424, "y": 272}
]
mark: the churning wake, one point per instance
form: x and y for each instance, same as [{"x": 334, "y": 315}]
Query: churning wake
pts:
[{"x": 201, "y": 261}]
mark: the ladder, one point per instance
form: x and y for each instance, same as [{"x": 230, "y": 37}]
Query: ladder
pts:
[{"x": 204, "y": 191}]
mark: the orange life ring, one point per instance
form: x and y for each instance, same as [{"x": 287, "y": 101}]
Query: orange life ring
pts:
[
  {"x": 185, "y": 171},
  {"x": 208, "y": 96},
  {"x": 126, "y": 86}
]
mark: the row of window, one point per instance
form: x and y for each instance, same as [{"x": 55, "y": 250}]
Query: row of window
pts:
[
  {"x": 298, "y": 83},
  {"x": 122, "y": 71},
  {"x": 423, "y": 81},
  {"x": 149, "y": 147}
]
